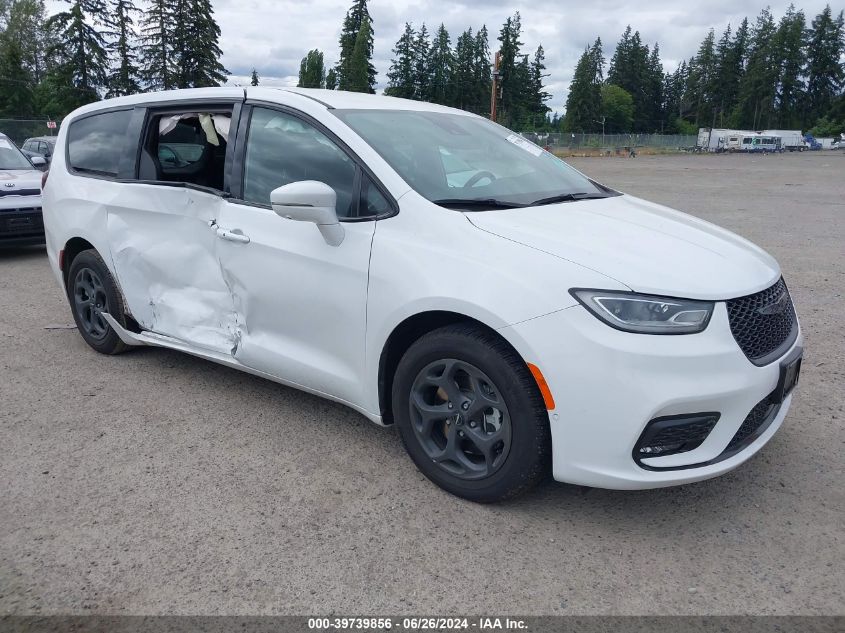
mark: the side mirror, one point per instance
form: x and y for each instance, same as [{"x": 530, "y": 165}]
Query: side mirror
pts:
[
  {"x": 310, "y": 201},
  {"x": 38, "y": 161}
]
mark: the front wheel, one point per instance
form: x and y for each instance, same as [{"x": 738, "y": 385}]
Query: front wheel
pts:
[{"x": 470, "y": 414}]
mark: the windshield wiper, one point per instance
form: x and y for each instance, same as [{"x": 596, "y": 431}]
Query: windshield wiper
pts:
[
  {"x": 568, "y": 197},
  {"x": 487, "y": 203}
]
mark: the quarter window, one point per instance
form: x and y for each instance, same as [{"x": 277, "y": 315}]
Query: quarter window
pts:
[
  {"x": 373, "y": 203},
  {"x": 96, "y": 143},
  {"x": 282, "y": 149}
]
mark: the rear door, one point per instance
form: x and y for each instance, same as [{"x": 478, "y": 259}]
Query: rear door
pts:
[{"x": 161, "y": 225}]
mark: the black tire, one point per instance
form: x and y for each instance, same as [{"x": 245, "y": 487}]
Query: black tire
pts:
[
  {"x": 486, "y": 359},
  {"x": 92, "y": 290}
]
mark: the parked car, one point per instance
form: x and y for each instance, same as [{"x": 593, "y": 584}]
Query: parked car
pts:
[
  {"x": 20, "y": 196},
  {"x": 40, "y": 146},
  {"x": 520, "y": 320}
]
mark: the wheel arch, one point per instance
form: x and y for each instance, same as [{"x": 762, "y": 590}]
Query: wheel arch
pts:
[
  {"x": 76, "y": 245},
  {"x": 404, "y": 335},
  {"x": 73, "y": 247}
]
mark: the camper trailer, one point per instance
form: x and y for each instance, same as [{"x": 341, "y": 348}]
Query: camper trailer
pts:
[
  {"x": 757, "y": 143},
  {"x": 791, "y": 140},
  {"x": 721, "y": 139}
]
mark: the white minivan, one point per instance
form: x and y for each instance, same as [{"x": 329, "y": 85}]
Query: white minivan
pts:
[{"x": 429, "y": 269}]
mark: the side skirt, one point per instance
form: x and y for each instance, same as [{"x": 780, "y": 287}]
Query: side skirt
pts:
[{"x": 159, "y": 340}]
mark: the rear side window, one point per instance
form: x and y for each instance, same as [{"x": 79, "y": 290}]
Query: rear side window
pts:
[{"x": 96, "y": 143}]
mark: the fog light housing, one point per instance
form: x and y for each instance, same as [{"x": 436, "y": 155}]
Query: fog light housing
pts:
[{"x": 670, "y": 435}]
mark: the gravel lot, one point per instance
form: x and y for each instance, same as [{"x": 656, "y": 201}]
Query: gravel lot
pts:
[{"x": 154, "y": 482}]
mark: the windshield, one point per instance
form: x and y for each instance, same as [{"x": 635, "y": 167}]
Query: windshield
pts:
[
  {"x": 11, "y": 157},
  {"x": 448, "y": 158}
]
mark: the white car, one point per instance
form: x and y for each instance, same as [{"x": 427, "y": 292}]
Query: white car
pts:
[
  {"x": 514, "y": 321},
  {"x": 20, "y": 196}
]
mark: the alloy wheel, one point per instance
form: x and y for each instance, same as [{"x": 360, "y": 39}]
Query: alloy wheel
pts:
[
  {"x": 460, "y": 419},
  {"x": 90, "y": 301}
]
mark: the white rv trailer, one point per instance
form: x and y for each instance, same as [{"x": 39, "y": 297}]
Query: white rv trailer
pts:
[
  {"x": 720, "y": 139},
  {"x": 758, "y": 143},
  {"x": 792, "y": 140}
]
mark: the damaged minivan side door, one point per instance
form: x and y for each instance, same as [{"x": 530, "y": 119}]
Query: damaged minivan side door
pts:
[
  {"x": 161, "y": 230},
  {"x": 300, "y": 298}
]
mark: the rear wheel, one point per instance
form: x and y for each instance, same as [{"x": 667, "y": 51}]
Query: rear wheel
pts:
[
  {"x": 470, "y": 415},
  {"x": 92, "y": 291}
]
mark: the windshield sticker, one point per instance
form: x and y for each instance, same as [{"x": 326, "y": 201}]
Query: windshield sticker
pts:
[{"x": 526, "y": 145}]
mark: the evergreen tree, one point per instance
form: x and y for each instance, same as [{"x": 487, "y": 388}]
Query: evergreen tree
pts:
[
  {"x": 653, "y": 88},
  {"x": 199, "y": 60},
  {"x": 629, "y": 69},
  {"x": 463, "y": 72},
  {"x": 79, "y": 51},
  {"x": 676, "y": 101},
  {"x": 513, "y": 79},
  {"x": 730, "y": 65},
  {"x": 825, "y": 74},
  {"x": 482, "y": 73},
  {"x": 440, "y": 65},
  {"x": 702, "y": 82},
  {"x": 254, "y": 78},
  {"x": 312, "y": 70},
  {"x": 16, "y": 98},
  {"x": 758, "y": 89},
  {"x": 180, "y": 42},
  {"x": 156, "y": 47},
  {"x": 331, "y": 79},
  {"x": 124, "y": 77},
  {"x": 356, "y": 16},
  {"x": 620, "y": 64},
  {"x": 400, "y": 77},
  {"x": 584, "y": 103},
  {"x": 358, "y": 77},
  {"x": 537, "y": 96},
  {"x": 422, "y": 80},
  {"x": 789, "y": 42}
]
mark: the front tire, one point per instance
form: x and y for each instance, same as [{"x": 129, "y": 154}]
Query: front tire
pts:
[
  {"x": 470, "y": 414},
  {"x": 91, "y": 290}
]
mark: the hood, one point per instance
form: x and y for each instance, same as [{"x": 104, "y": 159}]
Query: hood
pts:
[
  {"x": 15, "y": 179},
  {"x": 645, "y": 246}
]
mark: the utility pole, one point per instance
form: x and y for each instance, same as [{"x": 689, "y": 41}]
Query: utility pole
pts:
[{"x": 494, "y": 94}]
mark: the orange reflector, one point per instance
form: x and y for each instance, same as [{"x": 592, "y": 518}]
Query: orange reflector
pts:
[{"x": 543, "y": 385}]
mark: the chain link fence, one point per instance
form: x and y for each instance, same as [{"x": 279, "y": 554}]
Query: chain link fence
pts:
[
  {"x": 611, "y": 142},
  {"x": 21, "y": 129}
]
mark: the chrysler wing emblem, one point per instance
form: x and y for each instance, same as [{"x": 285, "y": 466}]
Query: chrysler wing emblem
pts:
[{"x": 776, "y": 307}]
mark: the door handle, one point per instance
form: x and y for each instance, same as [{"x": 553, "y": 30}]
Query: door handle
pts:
[{"x": 231, "y": 236}]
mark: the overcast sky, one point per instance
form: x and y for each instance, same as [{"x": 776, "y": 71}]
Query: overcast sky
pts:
[{"x": 274, "y": 35}]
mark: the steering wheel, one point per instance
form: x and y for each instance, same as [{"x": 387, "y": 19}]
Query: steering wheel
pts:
[{"x": 476, "y": 177}]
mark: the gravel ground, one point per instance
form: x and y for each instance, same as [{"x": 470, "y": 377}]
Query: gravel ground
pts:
[{"x": 155, "y": 483}]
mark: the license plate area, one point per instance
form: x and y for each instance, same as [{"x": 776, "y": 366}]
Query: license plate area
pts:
[{"x": 790, "y": 369}]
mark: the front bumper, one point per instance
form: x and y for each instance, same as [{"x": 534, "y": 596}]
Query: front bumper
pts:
[
  {"x": 21, "y": 221},
  {"x": 609, "y": 384}
]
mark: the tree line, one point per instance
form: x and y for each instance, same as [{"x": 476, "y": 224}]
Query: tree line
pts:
[
  {"x": 785, "y": 74},
  {"x": 96, "y": 48},
  {"x": 427, "y": 67}
]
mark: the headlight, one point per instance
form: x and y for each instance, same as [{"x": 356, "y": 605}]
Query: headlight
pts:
[{"x": 646, "y": 314}]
